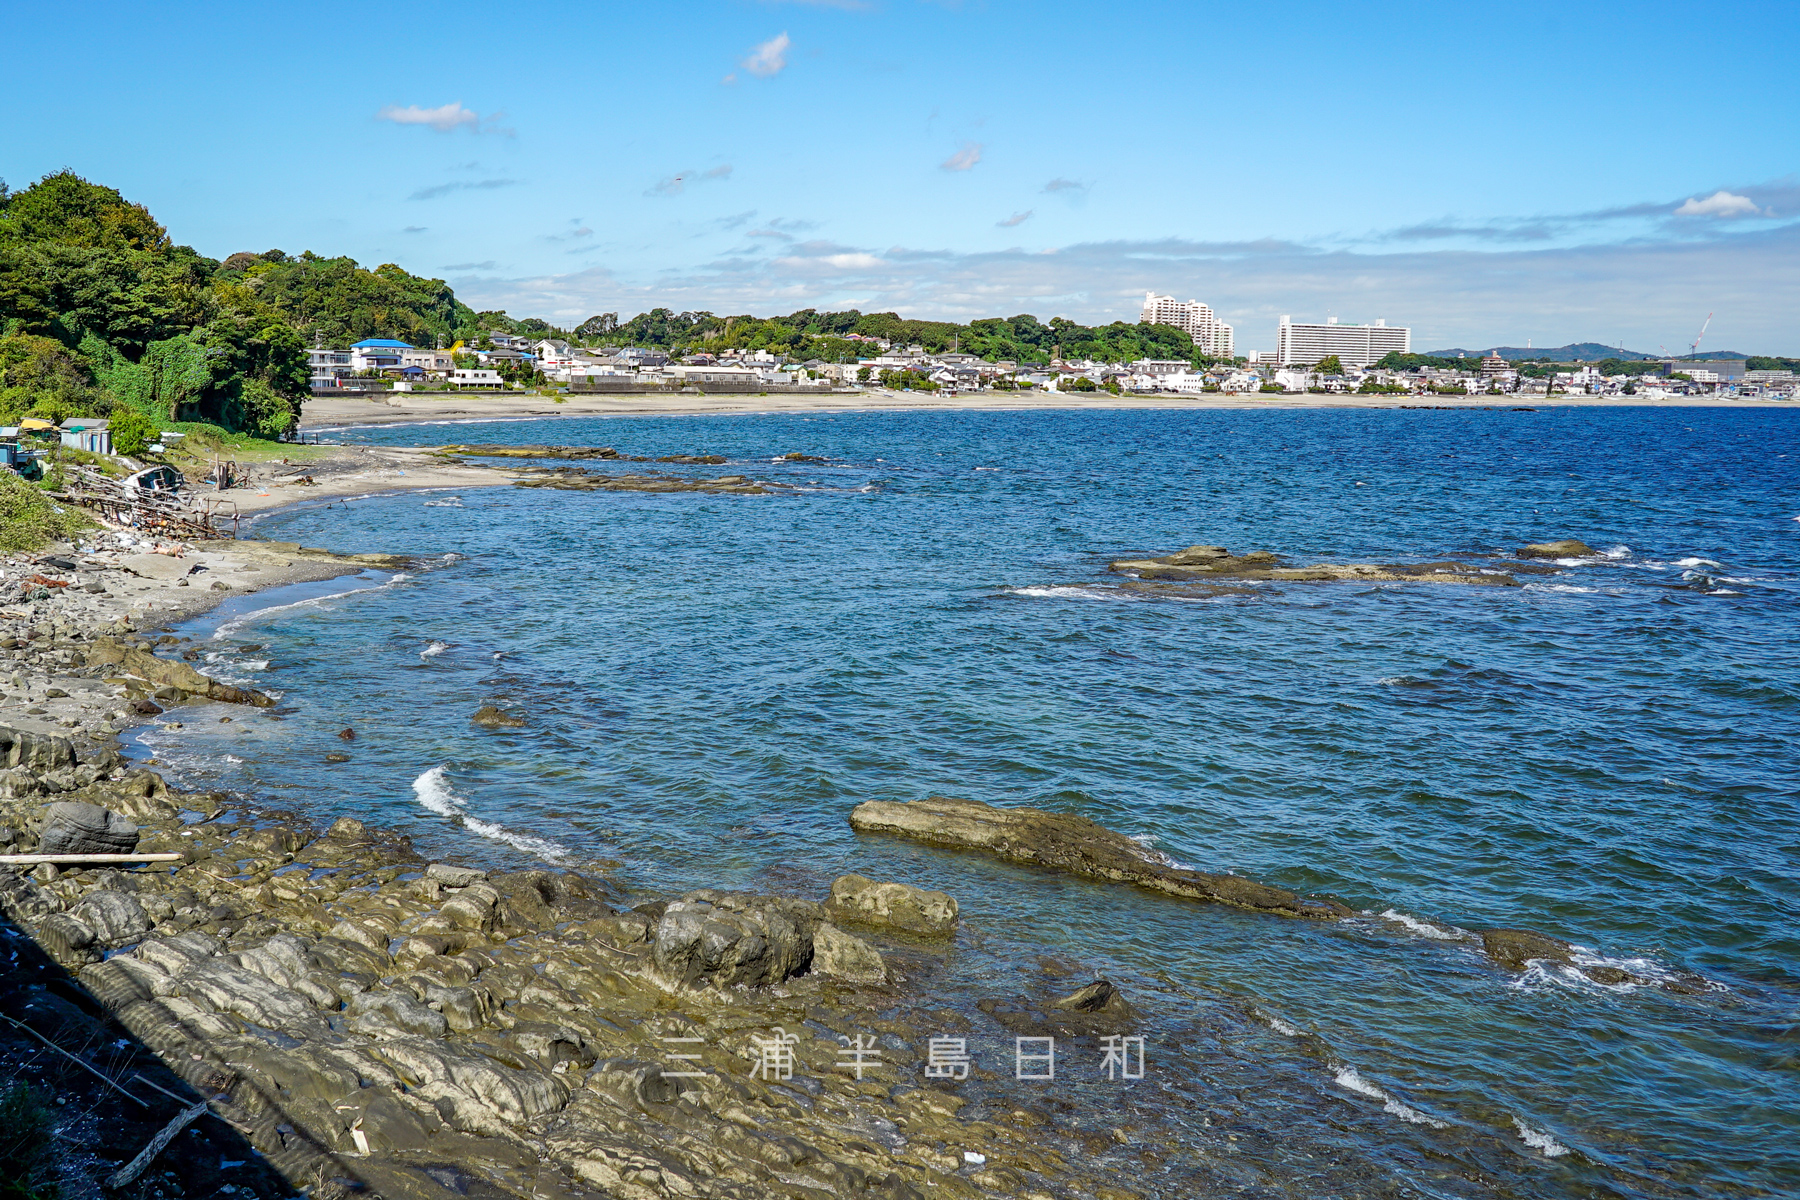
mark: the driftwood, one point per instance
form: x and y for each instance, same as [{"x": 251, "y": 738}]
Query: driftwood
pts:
[
  {"x": 20, "y": 860},
  {"x": 178, "y": 514},
  {"x": 164, "y": 1136}
]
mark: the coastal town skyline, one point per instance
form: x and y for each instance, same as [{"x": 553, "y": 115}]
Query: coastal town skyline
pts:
[{"x": 769, "y": 157}]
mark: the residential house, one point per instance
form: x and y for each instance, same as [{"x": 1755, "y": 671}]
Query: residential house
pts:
[
  {"x": 381, "y": 355},
  {"x": 473, "y": 377},
  {"x": 328, "y": 368}
]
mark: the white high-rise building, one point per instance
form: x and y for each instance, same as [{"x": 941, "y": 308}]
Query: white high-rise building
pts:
[
  {"x": 1355, "y": 345},
  {"x": 1212, "y": 335}
]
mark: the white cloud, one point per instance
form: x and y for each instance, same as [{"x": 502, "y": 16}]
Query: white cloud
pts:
[
  {"x": 1604, "y": 293},
  {"x": 1720, "y": 204},
  {"x": 768, "y": 58},
  {"x": 443, "y": 118},
  {"x": 963, "y": 159},
  {"x": 1064, "y": 185},
  {"x": 1018, "y": 218}
]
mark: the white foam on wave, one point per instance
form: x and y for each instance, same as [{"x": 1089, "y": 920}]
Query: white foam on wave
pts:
[
  {"x": 1064, "y": 591},
  {"x": 434, "y": 792},
  {"x": 1691, "y": 563},
  {"x": 1348, "y": 1079},
  {"x": 1616, "y": 552},
  {"x": 434, "y": 649},
  {"x": 1558, "y": 587},
  {"x": 230, "y": 628},
  {"x": 1407, "y": 1112},
  {"x": 1280, "y": 1026},
  {"x": 448, "y": 502},
  {"x": 1540, "y": 1141},
  {"x": 1423, "y": 928}
]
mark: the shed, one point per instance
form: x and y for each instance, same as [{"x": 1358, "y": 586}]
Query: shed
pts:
[{"x": 87, "y": 433}]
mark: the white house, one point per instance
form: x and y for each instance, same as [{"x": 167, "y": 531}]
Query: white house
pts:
[
  {"x": 476, "y": 378},
  {"x": 377, "y": 354}
]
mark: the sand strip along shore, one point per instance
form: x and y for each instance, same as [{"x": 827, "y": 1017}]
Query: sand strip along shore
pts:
[{"x": 404, "y": 407}]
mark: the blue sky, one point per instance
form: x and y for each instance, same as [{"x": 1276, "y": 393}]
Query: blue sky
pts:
[{"x": 1551, "y": 172}]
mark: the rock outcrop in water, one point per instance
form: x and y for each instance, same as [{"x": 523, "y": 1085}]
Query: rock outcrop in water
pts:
[
  {"x": 1569, "y": 548},
  {"x": 572, "y": 480},
  {"x": 1216, "y": 563},
  {"x": 1076, "y": 845},
  {"x": 369, "y": 1023},
  {"x": 892, "y": 905}
]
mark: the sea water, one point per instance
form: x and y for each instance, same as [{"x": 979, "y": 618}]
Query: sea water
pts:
[{"x": 710, "y": 683}]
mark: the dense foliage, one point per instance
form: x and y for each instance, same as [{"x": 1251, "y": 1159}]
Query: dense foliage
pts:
[
  {"x": 837, "y": 336},
  {"x": 30, "y": 519},
  {"x": 1396, "y": 361},
  {"x": 101, "y": 314},
  {"x": 1757, "y": 363}
]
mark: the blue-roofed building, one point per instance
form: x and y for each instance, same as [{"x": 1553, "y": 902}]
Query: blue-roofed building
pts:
[{"x": 377, "y": 354}]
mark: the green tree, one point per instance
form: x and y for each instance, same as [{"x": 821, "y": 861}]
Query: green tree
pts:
[
  {"x": 1331, "y": 364},
  {"x": 132, "y": 431}
]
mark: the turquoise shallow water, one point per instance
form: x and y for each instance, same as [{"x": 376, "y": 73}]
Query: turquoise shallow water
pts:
[{"x": 712, "y": 683}]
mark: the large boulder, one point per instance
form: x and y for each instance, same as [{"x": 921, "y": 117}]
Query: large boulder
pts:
[
  {"x": 1568, "y": 548},
  {"x": 70, "y": 827},
  {"x": 39, "y": 752},
  {"x": 846, "y": 956},
  {"x": 895, "y": 905},
  {"x": 726, "y": 938},
  {"x": 1074, "y": 844}
]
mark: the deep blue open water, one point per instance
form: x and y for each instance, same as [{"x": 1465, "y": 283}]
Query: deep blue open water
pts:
[{"x": 711, "y": 683}]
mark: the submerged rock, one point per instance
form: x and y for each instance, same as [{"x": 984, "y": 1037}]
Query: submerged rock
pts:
[
  {"x": 1204, "y": 563},
  {"x": 495, "y": 718},
  {"x": 1097, "y": 1008},
  {"x": 1074, "y": 844},
  {"x": 895, "y": 905},
  {"x": 1513, "y": 948},
  {"x": 1568, "y": 548}
]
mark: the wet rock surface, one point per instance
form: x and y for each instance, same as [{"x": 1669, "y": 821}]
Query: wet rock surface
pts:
[
  {"x": 576, "y": 480},
  {"x": 1216, "y": 563},
  {"x": 858, "y": 899},
  {"x": 1076, "y": 845},
  {"x": 370, "y": 1023},
  {"x": 1568, "y": 548}
]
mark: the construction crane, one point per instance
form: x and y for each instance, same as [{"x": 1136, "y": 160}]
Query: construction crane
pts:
[{"x": 1694, "y": 349}]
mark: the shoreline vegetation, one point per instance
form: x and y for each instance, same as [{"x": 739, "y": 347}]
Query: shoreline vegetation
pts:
[{"x": 345, "y": 1017}]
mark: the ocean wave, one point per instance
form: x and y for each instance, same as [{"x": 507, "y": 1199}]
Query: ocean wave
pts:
[
  {"x": 230, "y": 628},
  {"x": 1691, "y": 563},
  {"x": 434, "y": 649},
  {"x": 1423, "y": 928},
  {"x": 1348, "y": 1079},
  {"x": 434, "y": 793},
  {"x": 447, "y": 502},
  {"x": 1280, "y": 1026},
  {"x": 1065, "y": 591},
  {"x": 1539, "y": 1140}
]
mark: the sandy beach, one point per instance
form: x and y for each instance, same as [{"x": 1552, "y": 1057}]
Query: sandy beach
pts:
[{"x": 392, "y": 408}]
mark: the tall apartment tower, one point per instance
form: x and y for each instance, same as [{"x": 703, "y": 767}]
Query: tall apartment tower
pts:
[
  {"x": 1212, "y": 335},
  {"x": 1355, "y": 345}
]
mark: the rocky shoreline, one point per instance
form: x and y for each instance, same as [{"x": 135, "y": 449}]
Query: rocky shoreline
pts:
[
  {"x": 342, "y": 1018},
  {"x": 347, "y": 1018}
]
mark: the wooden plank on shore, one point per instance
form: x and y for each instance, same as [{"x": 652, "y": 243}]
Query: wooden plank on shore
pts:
[{"x": 85, "y": 859}]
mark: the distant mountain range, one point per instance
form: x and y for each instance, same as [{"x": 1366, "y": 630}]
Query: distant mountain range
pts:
[{"x": 1579, "y": 352}]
